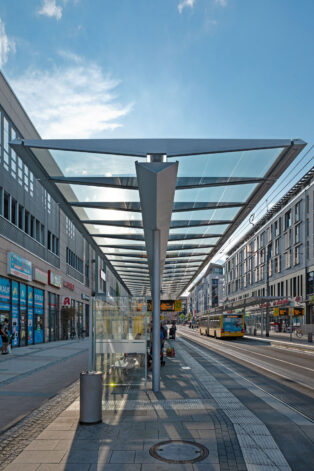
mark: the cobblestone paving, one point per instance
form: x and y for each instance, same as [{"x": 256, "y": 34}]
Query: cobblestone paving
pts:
[
  {"x": 14, "y": 440},
  {"x": 229, "y": 450}
]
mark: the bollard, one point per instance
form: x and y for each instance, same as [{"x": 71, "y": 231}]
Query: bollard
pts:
[
  {"x": 310, "y": 337},
  {"x": 90, "y": 398},
  {"x": 255, "y": 332}
]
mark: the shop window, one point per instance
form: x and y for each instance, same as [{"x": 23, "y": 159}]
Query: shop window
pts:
[{"x": 21, "y": 217}]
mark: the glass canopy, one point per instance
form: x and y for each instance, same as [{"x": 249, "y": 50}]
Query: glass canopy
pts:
[{"x": 218, "y": 183}]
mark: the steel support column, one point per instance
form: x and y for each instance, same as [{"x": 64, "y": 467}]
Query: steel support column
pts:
[{"x": 156, "y": 311}]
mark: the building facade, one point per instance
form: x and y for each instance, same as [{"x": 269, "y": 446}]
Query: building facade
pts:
[
  {"x": 49, "y": 266},
  {"x": 276, "y": 258},
  {"x": 208, "y": 292}
]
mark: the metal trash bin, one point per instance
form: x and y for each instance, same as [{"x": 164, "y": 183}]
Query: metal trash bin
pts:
[{"x": 91, "y": 389}]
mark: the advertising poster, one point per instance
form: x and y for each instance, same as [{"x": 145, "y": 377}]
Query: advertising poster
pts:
[
  {"x": 232, "y": 323},
  {"x": 5, "y": 292},
  {"x": 30, "y": 315},
  {"x": 23, "y": 296},
  {"x": 38, "y": 315},
  {"x": 15, "y": 314},
  {"x": 15, "y": 325},
  {"x": 23, "y": 316}
]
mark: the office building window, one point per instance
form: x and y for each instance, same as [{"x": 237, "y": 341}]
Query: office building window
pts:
[
  {"x": 37, "y": 230},
  {"x": 288, "y": 219},
  {"x": 21, "y": 217},
  {"x": 297, "y": 211},
  {"x": 42, "y": 231},
  {"x": 307, "y": 203},
  {"x": 297, "y": 255},
  {"x": 287, "y": 259},
  {"x": 13, "y": 211},
  {"x": 48, "y": 203},
  {"x": 20, "y": 171},
  {"x": 277, "y": 264},
  {"x": 31, "y": 184},
  {"x": 49, "y": 240},
  {"x": 6, "y": 147},
  {"x": 277, "y": 246},
  {"x": 6, "y": 205},
  {"x": 32, "y": 234},
  {"x": 307, "y": 227},
  {"x": 277, "y": 228},
  {"x": 27, "y": 223},
  {"x": 26, "y": 178},
  {"x": 297, "y": 234}
]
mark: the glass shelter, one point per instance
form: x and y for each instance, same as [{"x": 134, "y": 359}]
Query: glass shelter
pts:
[{"x": 160, "y": 209}]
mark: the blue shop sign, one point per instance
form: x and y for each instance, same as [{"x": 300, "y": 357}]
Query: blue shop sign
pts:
[
  {"x": 15, "y": 292},
  {"x": 4, "y": 294},
  {"x": 19, "y": 267}
]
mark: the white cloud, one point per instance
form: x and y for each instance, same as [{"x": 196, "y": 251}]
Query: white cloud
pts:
[
  {"x": 74, "y": 101},
  {"x": 51, "y": 9},
  {"x": 185, "y": 3},
  {"x": 222, "y": 3},
  {"x": 7, "y": 45}
]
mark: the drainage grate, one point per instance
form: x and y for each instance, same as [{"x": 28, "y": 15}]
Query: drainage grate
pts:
[{"x": 179, "y": 451}]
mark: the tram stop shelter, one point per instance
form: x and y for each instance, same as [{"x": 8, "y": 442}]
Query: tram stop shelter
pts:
[{"x": 160, "y": 209}]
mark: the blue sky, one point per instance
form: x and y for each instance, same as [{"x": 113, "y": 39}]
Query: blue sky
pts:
[
  {"x": 164, "y": 68},
  {"x": 168, "y": 68}
]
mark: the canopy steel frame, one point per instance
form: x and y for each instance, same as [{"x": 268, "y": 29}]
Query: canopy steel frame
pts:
[{"x": 156, "y": 180}]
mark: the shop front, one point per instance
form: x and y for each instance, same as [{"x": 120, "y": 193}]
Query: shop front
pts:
[
  {"x": 5, "y": 302},
  {"x": 53, "y": 316},
  {"x": 39, "y": 303}
]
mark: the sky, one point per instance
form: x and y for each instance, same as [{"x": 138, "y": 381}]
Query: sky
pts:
[{"x": 162, "y": 68}]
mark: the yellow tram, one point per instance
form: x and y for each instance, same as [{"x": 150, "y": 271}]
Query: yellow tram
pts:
[{"x": 226, "y": 325}]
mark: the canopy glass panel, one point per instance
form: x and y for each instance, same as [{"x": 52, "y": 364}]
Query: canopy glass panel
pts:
[{"x": 214, "y": 190}]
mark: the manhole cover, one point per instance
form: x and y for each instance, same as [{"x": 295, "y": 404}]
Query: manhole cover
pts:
[{"x": 178, "y": 451}]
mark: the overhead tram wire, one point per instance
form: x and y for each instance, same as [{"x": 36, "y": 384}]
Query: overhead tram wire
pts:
[
  {"x": 262, "y": 207},
  {"x": 266, "y": 202}
]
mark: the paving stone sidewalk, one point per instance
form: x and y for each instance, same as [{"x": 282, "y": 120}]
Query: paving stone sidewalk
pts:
[{"x": 132, "y": 424}]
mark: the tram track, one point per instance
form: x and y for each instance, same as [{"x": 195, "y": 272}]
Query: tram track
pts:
[{"x": 296, "y": 385}]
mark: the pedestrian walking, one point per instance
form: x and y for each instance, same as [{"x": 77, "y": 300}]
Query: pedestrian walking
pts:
[{"x": 5, "y": 336}]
